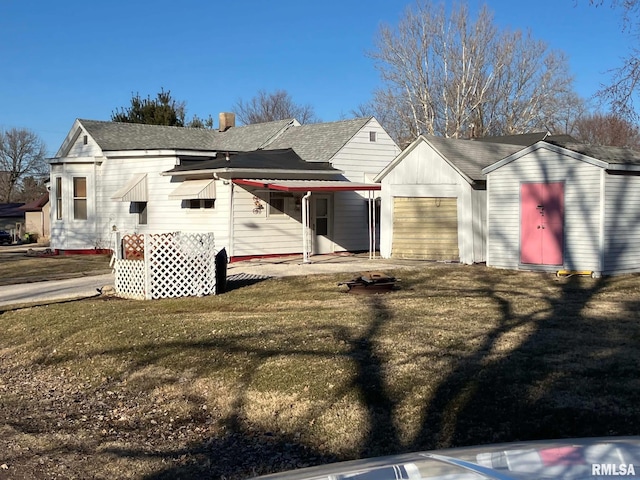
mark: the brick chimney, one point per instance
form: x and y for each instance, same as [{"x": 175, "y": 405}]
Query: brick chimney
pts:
[{"x": 226, "y": 120}]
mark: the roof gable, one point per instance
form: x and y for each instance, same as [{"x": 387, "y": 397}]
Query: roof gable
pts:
[
  {"x": 546, "y": 146},
  {"x": 467, "y": 157}
]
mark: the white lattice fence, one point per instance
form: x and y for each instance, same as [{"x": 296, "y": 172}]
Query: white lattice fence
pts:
[
  {"x": 172, "y": 265},
  {"x": 130, "y": 278}
]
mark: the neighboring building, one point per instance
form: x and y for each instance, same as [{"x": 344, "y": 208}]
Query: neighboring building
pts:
[
  {"x": 574, "y": 208},
  {"x": 38, "y": 218},
  {"x": 242, "y": 183},
  {"x": 12, "y": 219}
]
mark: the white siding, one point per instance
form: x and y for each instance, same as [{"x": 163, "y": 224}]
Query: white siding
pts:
[
  {"x": 79, "y": 149},
  {"x": 107, "y": 215},
  {"x": 622, "y": 223},
  {"x": 256, "y": 233},
  {"x": 423, "y": 173},
  {"x": 163, "y": 214},
  {"x": 360, "y": 160},
  {"x": 69, "y": 233},
  {"x": 581, "y": 208}
]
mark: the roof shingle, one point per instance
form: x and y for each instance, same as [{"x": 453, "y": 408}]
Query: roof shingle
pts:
[{"x": 112, "y": 136}]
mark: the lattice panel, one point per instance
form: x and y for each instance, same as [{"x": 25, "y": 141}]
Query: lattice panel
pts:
[
  {"x": 174, "y": 265},
  {"x": 181, "y": 265},
  {"x": 130, "y": 278},
  {"x": 133, "y": 246}
]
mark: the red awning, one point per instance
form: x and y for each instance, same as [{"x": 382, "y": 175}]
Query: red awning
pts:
[{"x": 308, "y": 185}]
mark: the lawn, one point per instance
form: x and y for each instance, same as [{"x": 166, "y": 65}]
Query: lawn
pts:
[
  {"x": 17, "y": 267},
  {"x": 292, "y": 372}
]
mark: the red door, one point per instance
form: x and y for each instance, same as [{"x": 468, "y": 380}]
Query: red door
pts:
[{"x": 542, "y": 223}]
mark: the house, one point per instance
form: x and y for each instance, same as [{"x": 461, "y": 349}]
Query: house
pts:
[
  {"x": 37, "y": 218},
  {"x": 565, "y": 207},
  {"x": 12, "y": 219},
  {"x": 264, "y": 189}
]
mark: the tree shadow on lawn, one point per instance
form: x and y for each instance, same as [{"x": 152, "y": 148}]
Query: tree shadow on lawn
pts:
[
  {"x": 559, "y": 382},
  {"x": 568, "y": 376}
]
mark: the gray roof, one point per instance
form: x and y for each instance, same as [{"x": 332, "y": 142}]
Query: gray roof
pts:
[
  {"x": 526, "y": 139},
  {"x": 319, "y": 142},
  {"x": 470, "y": 157},
  {"x": 614, "y": 155},
  {"x": 112, "y": 136}
]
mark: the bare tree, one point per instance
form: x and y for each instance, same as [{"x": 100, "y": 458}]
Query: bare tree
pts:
[
  {"x": 454, "y": 76},
  {"x": 571, "y": 110},
  {"x": 608, "y": 129},
  {"x": 267, "y": 107},
  {"x": 22, "y": 154},
  {"x": 620, "y": 91}
]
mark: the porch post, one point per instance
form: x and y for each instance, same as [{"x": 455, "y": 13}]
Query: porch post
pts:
[
  {"x": 372, "y": 226},
  {"x": 305, "y": 227}
]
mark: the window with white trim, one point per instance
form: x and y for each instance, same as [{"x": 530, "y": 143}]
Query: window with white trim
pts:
[
  {"x": 58, "y": 197},
  {"x": 197, "y": 203},
  {"x": 79, "y": 198},
  {"x": 284, "y": 203}
]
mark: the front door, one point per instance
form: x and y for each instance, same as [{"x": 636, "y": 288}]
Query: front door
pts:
[
  {"x": 322, "y": 224},
  {"x": 542, "y": 223}
]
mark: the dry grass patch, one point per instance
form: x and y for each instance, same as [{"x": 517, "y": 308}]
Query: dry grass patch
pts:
[
  {"x": 291, "y": 372},
  {"x": 20, "y": 268}
]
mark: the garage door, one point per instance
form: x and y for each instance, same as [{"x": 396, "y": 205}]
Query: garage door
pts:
[{"x": 425, "y": 228}]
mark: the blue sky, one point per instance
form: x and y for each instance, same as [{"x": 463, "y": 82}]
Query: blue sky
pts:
[{"x": 67, "y": 59}]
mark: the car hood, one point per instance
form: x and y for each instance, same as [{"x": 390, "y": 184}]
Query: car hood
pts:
[{"x": 585, "y": 458}]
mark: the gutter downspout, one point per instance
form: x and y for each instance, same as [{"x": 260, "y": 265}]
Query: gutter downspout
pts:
[
  {"x": 305, "y": 227},
  {"x": 230, "y": 235}
]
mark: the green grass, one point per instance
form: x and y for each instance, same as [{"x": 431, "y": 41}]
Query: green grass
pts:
[{"x": 292, "y": 372}]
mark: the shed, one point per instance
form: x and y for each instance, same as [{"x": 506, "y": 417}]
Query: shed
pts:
[
  {"x": 572, "y": 207},
  {"x": 434, "y": 199}
]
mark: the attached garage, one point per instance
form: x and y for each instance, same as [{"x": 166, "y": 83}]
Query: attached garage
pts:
[
  {"x": 434, "y": 200},
  {"x": 425, "y": 228}
]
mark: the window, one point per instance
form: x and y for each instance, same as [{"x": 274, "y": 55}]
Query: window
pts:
[
  {"x": 58, "y": 194},
  {"x": 284, "y": 203},
  {"x": 80, "y": 198},
  {"x": 276, "y": 204},
  {"x": 197, "y": 203},
  {"x": 372, "y": 136},
  {"x": 141, "y": 209}
]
